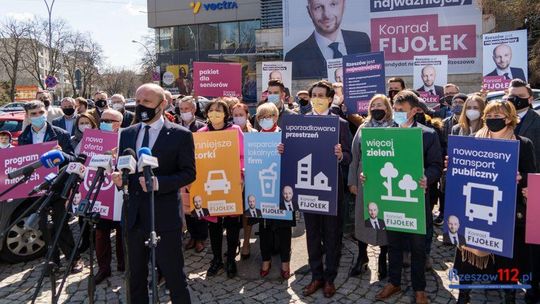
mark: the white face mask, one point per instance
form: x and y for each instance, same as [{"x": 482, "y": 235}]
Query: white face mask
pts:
[
  {"x": 84, "y": 127},
  {"x": 186, "y": 117},
  {"x": 240, "y": 121},
  {"x": 266, "y": 123},
  {"x": 3, "y": 146},
  {"x": 472, "y": 114},
  {"x": 118, "y": 106}
]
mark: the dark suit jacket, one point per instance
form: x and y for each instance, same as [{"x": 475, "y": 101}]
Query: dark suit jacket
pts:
[
  {"x": 530, "y": 127},
  {"x": 516, "y": 73},
  {"x": 382, "y": 225},
  {"x": 439, "y": 91},
  {"x": 204, "y": 211},
  {"x": 433, "y": 163},
  {"x": 127, "y": 119},
  {"x": 61, "y": 123},
  {"x": 175, "y": 152},
  {"x": 309, "y": 62},
  {"x": 51, "y": 134},
  {"x": 282, "y": 205},
  {"x": 248, "y": 213},
  {"x": 447, "y": 240}
]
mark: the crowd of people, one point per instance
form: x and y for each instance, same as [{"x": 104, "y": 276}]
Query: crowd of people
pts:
[{"x": 460, "y": 113}]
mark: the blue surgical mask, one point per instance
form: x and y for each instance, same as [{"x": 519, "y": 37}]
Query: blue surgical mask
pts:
[
  {"x": 39, "y": 121},
  {"x": 400, "y": 117},
  {"x": 274, "y": 98},
  {"x": 266, "y": 123},
  {"x": 106, "y": 126}
]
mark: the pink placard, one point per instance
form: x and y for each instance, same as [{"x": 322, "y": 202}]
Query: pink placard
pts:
[
  {"x": 532, "y": 229},
  {"x": 18, "y": 157},
  {"x": 95, "y": 142},
  {"x": 214, "y": 79},
  {"x": 495, "y": 83}
]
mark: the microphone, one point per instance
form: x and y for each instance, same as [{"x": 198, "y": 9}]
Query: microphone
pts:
[
  {"x": 127, "y": 165},
  {"x": 76, "y": 173},
  {"x": 103, "y": 164},
  {"x": 49, "y": 159},
  {"x": 49, "y": 179},
  {"x": 146, "y": 163}
]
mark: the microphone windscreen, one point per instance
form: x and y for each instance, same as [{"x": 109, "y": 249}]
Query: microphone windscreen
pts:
[
  {"x": 52, "y": 159},
  {"x": 144, "y": 150},
  {"x": 129, "y": 152}
]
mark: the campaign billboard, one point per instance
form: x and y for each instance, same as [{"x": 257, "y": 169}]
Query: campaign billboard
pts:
[
  {"x": 430, "y": 76},
  {"x": 217, "y": 191},
  {"x": 532, "y": 229},
  {"x": 334, "y": 70},
  {"x": 505, "y": 58},
  {"x": 216, "y": 79},
  {"x": 315, "y": 31},
  {"x": 393, "y": 161},
  {"x": 309, "y": 166},
  {"x": 262, "y": 177},
  {"x": 18, "y": 157},
  {"x": 277, "y": 70},
  {"x": 109, "y": 200},
  {"x": 481, "y": 188},
  {"x": 363, "y": 77}
]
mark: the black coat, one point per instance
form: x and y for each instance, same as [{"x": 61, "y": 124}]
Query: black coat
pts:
[
  {"x": 51, "y": 134},
  {"x": 175, "y": 151},
  {"x": 516, "y": 73},
  {"x": 127, "y": 118},
  {"x": 530, "y": 127}
]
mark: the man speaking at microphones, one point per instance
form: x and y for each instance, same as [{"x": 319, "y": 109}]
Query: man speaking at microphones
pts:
[
  {"x": 40, "y": 131},
  {"x": 173, "y": 147}
]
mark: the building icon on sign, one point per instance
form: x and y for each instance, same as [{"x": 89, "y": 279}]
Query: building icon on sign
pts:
[{"x": 304, "y": 179}]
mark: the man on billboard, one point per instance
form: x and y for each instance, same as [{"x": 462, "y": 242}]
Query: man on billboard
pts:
[
  {"x": 502, "y": 56},
  {"x": 428, "y": 77},
  {"x": 328, "y": 40}
]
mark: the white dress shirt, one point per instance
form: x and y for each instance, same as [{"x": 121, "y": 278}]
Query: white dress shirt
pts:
[
  {"x": 505, "y": 71},
  {"x": 253, "y": 212},
  {"x": 324, "y": 43},
  {"x": 39, "y": 136},
  {"x": 374, "y": 223},
  {"x": 69, "y": 124},
  {"x": 288, "y": 205},
  {"x": 431, "y": 88},
  {"x": 454, "y": 238},
  {"x": 153, "y": 133}
]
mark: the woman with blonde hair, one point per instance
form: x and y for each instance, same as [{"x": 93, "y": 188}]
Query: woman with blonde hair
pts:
[
  {"x": 470, "y": 119},
  {"x": 379, "y": 116}
]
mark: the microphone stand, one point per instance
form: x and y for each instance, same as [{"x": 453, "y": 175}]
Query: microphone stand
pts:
[
  {"x": 90, "y": 219},
  {"x": 153, "y": 239},
  {"x": 48, "y": 266},
  {"x": 127, "y": 273}
]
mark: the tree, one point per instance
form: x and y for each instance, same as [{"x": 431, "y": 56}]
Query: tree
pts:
[
  {"x": 119, "y": 81},
  {"x": 408, "y": 184},
  {"x": 83, "y": 54},
  {"x": 13, "y": 41},
  {"x": 390, "y": 172},
  {"x": 148, "y": 61}
]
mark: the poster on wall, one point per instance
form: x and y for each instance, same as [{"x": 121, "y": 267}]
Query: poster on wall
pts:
[
  {"x": 178, "y": 79},
  {"x": 334, "y": 68},
  {"x": 316, "y": 31},
  {"x": 277, "y": 70},
  {"x": 430, "y": 76},
  {"x": 505, "y": 58}
]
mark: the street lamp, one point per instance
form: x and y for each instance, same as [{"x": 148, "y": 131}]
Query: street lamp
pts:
[{"x": 154, "y": 67}]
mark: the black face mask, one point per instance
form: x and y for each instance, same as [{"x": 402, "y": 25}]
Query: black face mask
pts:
[
  {"x": 303, "y": 102},
  {"x": 68, "y": 111},
  {"x": 420, "y": 118},
  {"x": 101, "y": 103},
  {"x": 392, "y": 93},
  {"x": 518, "y": 102},
  {"x": 378, "y": 114},
  {"x": 145, "y": 114},
  {"x": 446, "y": 100},
  {"x": 495, "y": 124}
]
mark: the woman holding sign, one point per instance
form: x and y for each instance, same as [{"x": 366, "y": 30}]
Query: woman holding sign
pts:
[
  {"x": 500, "y": 120},
  {"x": 379, "y": 116},
  {"x": 267, "y": 117},
  {"x": 219, "y": 119}
]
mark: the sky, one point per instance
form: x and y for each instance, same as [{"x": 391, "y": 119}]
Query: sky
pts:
[{"x": 112, "y": 23}]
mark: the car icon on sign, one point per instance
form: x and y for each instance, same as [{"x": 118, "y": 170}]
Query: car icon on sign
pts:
[{"x": 217, "y": 181}]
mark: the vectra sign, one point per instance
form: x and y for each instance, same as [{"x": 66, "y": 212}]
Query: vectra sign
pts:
[{"x": 213, "y": 6}]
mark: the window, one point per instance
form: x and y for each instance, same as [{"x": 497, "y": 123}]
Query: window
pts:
[
  {"x": 166, "y": 43},
  {"x": 228, "y": 35},
  {"x": 187, "y": 38},
  {"x": 208, "y": 40},
  {"x": 247, "y": 33}
]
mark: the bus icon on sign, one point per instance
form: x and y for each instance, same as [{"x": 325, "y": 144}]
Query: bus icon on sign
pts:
[{"x": 481, "y": 208}]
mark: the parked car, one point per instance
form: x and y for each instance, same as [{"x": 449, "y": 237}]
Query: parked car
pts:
[
  {"x": 12, "y": 122},
  {"x": 499, "y": 95},
  {"x": 13, "y": 107}
]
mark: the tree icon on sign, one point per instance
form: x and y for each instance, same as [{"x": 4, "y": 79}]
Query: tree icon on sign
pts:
[
  {"x": 408, "y": 184},
  {"x": 390, "y": 173}
]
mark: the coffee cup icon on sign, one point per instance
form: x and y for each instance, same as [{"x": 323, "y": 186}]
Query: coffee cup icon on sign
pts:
[{"x": 267, "y": 178}]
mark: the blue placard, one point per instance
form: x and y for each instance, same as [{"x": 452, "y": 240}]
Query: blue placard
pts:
[
  {"x": 481, "y": 193},
  {"x": 309, "y": 166},
  {"x": 363, "y": 77},
  {"x": 262, "y": 176}
]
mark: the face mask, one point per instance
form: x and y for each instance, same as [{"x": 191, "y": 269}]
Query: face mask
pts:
[
  {"x": 456, "y": 109},
  {"x": 519, "y": 103},
  {"x": 303, "y": 102},
  {"x": 378, "y": 114},
  {"x": 39, "y": 121},
  {"x": 186, "y": 117},
  {"x": 101, "y": 103},
  {"x": 472, "y": 114},
  {"x": 392, "y": 93},
  {"x": 145, "y": 114},
  {"x": 216, "y": 118},
  {"x": 400, "y": 117},
  {"x": 68, "y": 111},
  {"x": 84, "y": 127},
  {"x": 266, "y": 123},
  {"x": 3, "y": 146},
  {"x": 320, "y": 105},
  {"x": 274, "y": 98},
  {"x": 240, "y": 121},
  {"x": 106, "y": 126},
  {"x": 118, "y": 107},
  {"x": 495, "y": 124},
  {"x": 420, "y": 118}
]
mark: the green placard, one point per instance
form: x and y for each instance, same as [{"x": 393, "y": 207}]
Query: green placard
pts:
[{"x": 393, "y": 164}]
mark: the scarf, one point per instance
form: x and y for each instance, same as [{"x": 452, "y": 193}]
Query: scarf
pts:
[
  {"x": 485, "y": 133},
  {"x": 372, "y": 123}
]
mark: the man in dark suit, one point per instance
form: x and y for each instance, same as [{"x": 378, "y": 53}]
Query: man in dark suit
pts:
[
  {"x": 288, "y": 203},
  {"x": 173, "y": 146},
  {"x": 328, "y": 41},
  {"x": 373, "y": 221},
  {"x": 502, "y": 56},
  {"x": 398, "y": 242},
  {"x": 67, "y": 121},
  {"x": 40, "y": 131},
  {"x": 428, "y": 77},
  {"x": 252, "y": 211},
  {"x": 199, "y": 211},
  {"x": 324, "y": 232},
  {"x": 118, "y": 102},
  {"x": 452, "y": 237}
]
